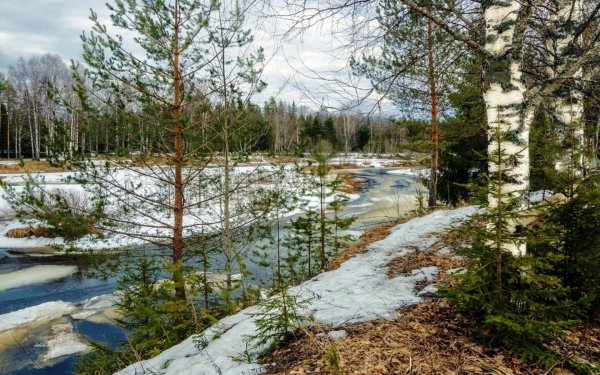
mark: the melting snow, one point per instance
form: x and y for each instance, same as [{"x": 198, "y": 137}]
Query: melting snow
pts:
[
  {"x": 62, "y": 341},
  {"x": 40, "y": 313},
  {"x": 34, "y": 275},
  {"x": 95, "y": 305},
  {"x": 357, "y": 291}
]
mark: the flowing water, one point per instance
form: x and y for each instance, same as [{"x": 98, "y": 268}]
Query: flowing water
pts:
[{"x": 384, "y": 197}]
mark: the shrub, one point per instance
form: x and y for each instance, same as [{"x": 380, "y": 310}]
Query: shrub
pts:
[
  {"x": 277, "y": 320},
  {"x": 63, "y": 213},
  {"x": 570, "y": 231}
]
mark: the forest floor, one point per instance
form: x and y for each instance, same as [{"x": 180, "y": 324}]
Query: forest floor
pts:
[
  {"x": 426, "y": 338},
  {"x": 374, "y": 312}
]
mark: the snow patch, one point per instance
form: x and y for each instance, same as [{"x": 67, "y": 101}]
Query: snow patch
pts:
[
  {"x": 410, "y": 172},
  {"x": 63, "y": 341},
  {"x": 40, "y": 313},
  {"x": 34, "y": 275},
  {"x": 359, "y": 290},
  {"x": 95, "y": 305},
  {"x": 428, "y": 290},
  {"x": 539, "y": 195}
]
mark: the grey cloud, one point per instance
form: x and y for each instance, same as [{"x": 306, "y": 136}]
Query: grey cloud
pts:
[
  {"x": 5, "y": 61},
  {"x": 31, "y": 27}
]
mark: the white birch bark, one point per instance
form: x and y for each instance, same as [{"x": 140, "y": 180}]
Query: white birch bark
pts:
[
  {"x": 568, "y": 104},
  {"x": 505, "y": 106}
]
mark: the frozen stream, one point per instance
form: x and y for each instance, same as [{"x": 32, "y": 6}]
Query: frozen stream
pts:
[{"x": 28, "y": 280}]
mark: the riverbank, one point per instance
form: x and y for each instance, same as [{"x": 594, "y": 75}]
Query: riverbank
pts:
[
  {"x": 358, "y": 291},
  {"x": 368, "y": 202}
]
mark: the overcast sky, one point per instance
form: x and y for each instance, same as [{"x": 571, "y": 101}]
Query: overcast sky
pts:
[{"x": 29, "y": 27}]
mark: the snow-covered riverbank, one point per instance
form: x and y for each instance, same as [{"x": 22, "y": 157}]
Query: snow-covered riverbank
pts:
[
  {"x": 359, "y": 290},
  {"x": 371, "y": 206},
  {"x": 144, "y": 217}
]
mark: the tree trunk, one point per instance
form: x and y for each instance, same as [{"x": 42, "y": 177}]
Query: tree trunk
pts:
[
  {"x": 31, "y": 132},
  {"x": 228, "y": 243},
  {"x": 569, "y": 102},
  {"x": 434, "y": 119},
  {"x": 178, "y": 165},
  {"x": 322, "y": 218},
  {"x": 507, "y": 116}
]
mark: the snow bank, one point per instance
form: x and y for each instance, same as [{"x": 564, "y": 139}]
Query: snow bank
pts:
[
  {"x": 62, "y": 341},
  {"x": 421, "y": 172},
  {"x": 34, "y": 275},
  {"x": 95, "y": 305},
  {"x": 40, "y": 313},
  {"x": 152, "y": 220},
  {"x": 357, "y": 291}
]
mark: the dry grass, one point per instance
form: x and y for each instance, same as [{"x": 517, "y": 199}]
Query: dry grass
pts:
[
  {"x": 26, "y": 232},
  {"x": 28, "y": 167},
  {"x": 405, "y": 264},
  {"x": 351, "y": 184},
  {"x": 371, "y": 235}
]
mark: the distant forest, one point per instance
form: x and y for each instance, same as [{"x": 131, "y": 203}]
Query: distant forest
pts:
[{"x": 40, "y": 102}]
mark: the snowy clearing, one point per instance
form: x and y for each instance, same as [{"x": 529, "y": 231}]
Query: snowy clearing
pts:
[
  {"x": 357, "y": 291},
  {"x": 149, "y": 218}
]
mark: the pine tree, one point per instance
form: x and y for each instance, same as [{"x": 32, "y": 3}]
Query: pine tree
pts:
[{"x": 302, "y": 243}]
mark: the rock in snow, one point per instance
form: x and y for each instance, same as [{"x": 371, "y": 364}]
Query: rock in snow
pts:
[{"x": 359, "y": 290}]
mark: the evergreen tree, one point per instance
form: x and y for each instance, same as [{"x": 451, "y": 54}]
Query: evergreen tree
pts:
[
  {"x": 569, "y": 231},
  {"x": 302, "y": 243},
  {"x": 363, "y": 137},
  {"x": 515, "y": 300},
  {"x": 329, "y": 133},
  {"x": 463, "y": 154}
]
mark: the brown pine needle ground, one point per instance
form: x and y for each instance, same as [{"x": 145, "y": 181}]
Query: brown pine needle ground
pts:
[{"x": 429, "y": 338}]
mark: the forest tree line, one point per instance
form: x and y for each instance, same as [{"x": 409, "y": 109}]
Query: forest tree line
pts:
[{"x": 40, "y": 109}]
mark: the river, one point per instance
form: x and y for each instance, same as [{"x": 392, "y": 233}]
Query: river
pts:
[{"x": 384, "y": 197}]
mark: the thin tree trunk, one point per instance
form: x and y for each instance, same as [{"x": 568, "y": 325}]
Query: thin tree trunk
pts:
[
  {"x": 8, "y": 118},
  {"x": 434, "y": 119},
  {"x": 228, "y": 243},
  {"x": 31, "y": 132},
  {"x": 178, "y": 165},
  {"x": 322, "y": 255}
]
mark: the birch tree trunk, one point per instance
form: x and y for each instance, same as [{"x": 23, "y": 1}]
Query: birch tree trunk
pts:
[
  {"x": 507, "y": 116},
  {"x": 568, "y": 102},
  {"x": 31, "y": 133}
]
